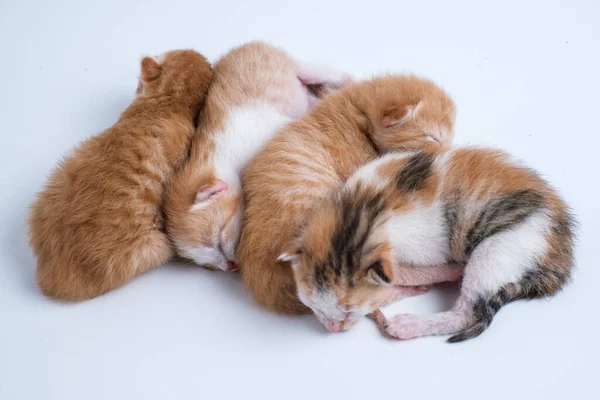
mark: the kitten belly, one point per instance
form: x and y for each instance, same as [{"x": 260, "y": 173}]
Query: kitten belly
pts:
[{"x": 419, "y": 236}]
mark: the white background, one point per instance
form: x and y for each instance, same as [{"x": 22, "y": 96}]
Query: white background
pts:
[{"x": 525, "y": 77}]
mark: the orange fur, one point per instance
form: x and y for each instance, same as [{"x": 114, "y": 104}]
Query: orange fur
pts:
[
  {"x": 312, "y": 157},
  {"x": 98, "y": 223},
  {"x": 346, "y": 263},
  {"x": 265, "y": 81}
]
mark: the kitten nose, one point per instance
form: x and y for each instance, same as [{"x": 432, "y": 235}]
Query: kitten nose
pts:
[{"x": 333, "y": 326}]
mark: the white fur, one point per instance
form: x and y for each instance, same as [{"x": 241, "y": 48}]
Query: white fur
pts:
[
  {"x": 247, "y": 128},
  {"x": 506, "y": 256},
  {"x": 499, "y": 260},
  {"x": 369, "y": 175},
  {"x": 203, "y": 255},
  {"x": 288, "y": 257},
  {"x": 160, "y": 58},
  {"x": 442, "y": 162},
  {"x": 418, "y": 236},
  {"x": 232, "y": 231},
  {"x": 311, "y": 74},
  {"x": 324, "y": 305},
  {"x": 199, "y": 206}
]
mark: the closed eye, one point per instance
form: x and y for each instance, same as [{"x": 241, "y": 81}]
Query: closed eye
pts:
[
  {"x": 377, "y": 269},
  {"x": 433, "y": 136}
]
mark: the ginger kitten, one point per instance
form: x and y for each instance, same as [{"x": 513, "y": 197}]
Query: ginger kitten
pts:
[
  {"x": 311, "y": 158},
  {"x": 97, "y": 223},
  {"x": 399, "y": 219},
  {"x": 257, "y": 89}
]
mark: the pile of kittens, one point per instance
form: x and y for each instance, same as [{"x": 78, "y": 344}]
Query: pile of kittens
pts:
[{"x": 331, "y": 195}]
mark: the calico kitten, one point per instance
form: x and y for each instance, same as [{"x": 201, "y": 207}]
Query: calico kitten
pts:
[
  {"x": 470, "y": 205},
  {"x": 312, "y": 157},
  {"x": 98, "y": 223},
  {"x": 257, "y": 89}
]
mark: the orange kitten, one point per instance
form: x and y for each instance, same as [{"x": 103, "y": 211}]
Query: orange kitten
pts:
[
  {"x": 312, "y": 157},
  {"x": 399, "y": 219},
  {"x": 98, "y": 223},
  {"x": 257, "y": 89}
]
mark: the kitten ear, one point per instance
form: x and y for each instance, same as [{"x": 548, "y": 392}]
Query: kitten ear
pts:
[
  {"x": 206, "y": 193},
  {"x": 151, "y": 69},
  {"x": 380, "y": 273},
  {"x": 399, "y": 115},
  {"x": 291, "y": 253}
]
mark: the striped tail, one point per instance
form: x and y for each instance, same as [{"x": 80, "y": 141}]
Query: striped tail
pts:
[
  {"x": 484, "y": 311},
  {"x": 543, "y": 281}
]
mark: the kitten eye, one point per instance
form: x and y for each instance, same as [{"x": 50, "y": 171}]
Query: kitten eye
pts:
[
  {"x": 377, "y": 273},
  {"x": 434, "y": 135},
  {"x": 432, "y": 138}
]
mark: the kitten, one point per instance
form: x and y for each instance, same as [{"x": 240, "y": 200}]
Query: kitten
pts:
[
  {"x": 470, "y": 205},
  {"x": 312, "y": 157},
  {"x": 257, "y": 89},
  {"x": 98, "y": 223}
]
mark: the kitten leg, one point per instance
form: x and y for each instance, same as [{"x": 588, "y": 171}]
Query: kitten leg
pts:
[
  {"x": 400, "y": 292},
  {"x": 381, "y": 322},
  {"x": 415, "y": 276},
  {"x": 491, "y": 279},
  {"x": 379, "y": 318},
  {"x": 409, "y": 326},
  {"x": 394, "y": 293}
]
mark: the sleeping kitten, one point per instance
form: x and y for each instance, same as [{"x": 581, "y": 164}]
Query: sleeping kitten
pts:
[
  {"x": 311, "y": 158},
  {"x": 98, "y": 223},
  {"x": 257, "y": 89},
  {"x": 469, "y": 205}
]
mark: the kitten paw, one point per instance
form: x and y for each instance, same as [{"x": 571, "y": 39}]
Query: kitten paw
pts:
[
  {"x": 405, "y": 326},
  {"x": 408, "y": 291}
]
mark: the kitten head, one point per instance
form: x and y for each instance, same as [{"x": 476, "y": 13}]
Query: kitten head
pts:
[
  {"x": 410, "y": 113},
  {"x": 342, "y": 261},
  {"x": 174, "y": 71},
  {"x": 203, "y": 217}
]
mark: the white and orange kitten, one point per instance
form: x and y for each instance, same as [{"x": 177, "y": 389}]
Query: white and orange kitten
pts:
[{"x": 257, "y": 89}]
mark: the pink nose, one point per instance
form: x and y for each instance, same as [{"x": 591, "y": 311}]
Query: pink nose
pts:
[{"x": 333, "y": 326}]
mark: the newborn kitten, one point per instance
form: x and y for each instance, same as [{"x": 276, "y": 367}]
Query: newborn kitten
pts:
[
  {"x": 257, "y": 89},
  {"x": 311, "y": 158},
  {"x": 469, "y": 205},
  {"x": 98, "y": 223}
]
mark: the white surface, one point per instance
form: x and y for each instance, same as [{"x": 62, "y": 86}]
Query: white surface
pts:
[{"x": 525, "y": 76}]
